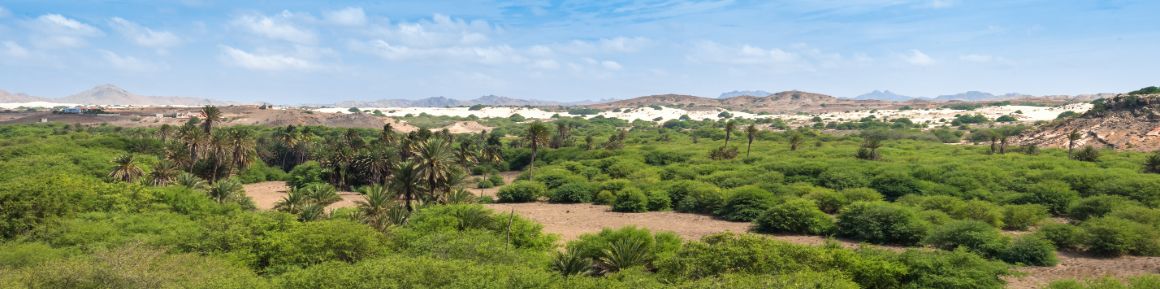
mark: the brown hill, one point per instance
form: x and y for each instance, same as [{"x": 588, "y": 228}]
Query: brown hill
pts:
[
  {"x": 1129, "y": 122},
  {"x": 781, "y": 102}
]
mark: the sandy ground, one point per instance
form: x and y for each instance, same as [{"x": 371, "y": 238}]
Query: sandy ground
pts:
[
  {"x": 508, "y": 178},
  {"x": 467, "y": 127},
  {"x": 266, "y": 194}
]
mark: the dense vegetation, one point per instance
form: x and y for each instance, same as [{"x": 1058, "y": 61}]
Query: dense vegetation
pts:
[{"x": 100, "y": 207}]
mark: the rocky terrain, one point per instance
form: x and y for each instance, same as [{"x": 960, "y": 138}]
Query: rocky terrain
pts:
[
  {"x": 1129, "y": 122},
  {"x": 440, "y": 101},
  {"x": 109, "y": 94},
  {"x": 782, "y": 102}
]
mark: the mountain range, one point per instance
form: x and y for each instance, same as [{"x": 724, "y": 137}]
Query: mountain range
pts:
[
  {"x": 884, "y": 95},
  {"x": 736, "y": 93},
  {"x": 109, "y": 94}
]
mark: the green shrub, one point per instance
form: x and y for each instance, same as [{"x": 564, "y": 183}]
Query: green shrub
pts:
[
  {"x": 572, "y": 193},
  {"x": 630, "y": 200},
  {"x": 496, "y": 179},
  {"x": 520, "y": 232},
  {"x": 521, "y": 192},
  {"x": 861, "y": 195},
  {"x": 893, "y": 185},
  {"x": 260, "y": 172},
  {"x": 828, "y": 201},
  {"x": 1148, "y": 281},
  {"x": 135, "y": 267},
  {"x": 700, "y": 198},
  {"x": 323, "y": 241},
  {"x": 1111, "y": 236},
  {"x": 1021, "y": 217},
  {"x": 593, "y": 246},
  {"x": 659, "y": 201},
  {"x": 972, "y": 235},
  {"x": 982, "y": 211},
  {"x": 745, "y": 204},
  {"x": 1063, "y": 236},
  {"x": 484, "y": 184},
  {"x": 799, "y": 216},
  {"x": 1096, "y": 206},
  {"x": 883, "y": 223},
  {"x": 936, "y": 218},
  {"x": 842, "y": 178},
  {"x": 305, "y": 173},
  {"x": 15, "y": 255},
  {"x": 1057, "y": 196},
  {"x": 604, "y": 198},
  {"x": 1030, "y": 250}
]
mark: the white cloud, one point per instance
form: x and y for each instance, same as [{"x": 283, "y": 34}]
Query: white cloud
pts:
[
  {"x": 56, "y": 31},
  {"x": 128, "y": 62},
  {"x": 610, "y": 65},
  {"x": 439, "y": 31},
  {"x": 916, "y": 57},
  {"x": 547, "y": 64},
  {"x": 144, "y": 36},
  {"x": 498, "y": 54},
  {"x": 268, "y": 62},
  {"x": 14, "y": 50},
  {"x": 618, "y": 44},
  {"x": 708, "y": 51},
  {"x": 4, "y": 12},
  {"x": 350, "y": 16},
  {"x": 980, "y": 58},
  {"x": 279, "y": 27}
]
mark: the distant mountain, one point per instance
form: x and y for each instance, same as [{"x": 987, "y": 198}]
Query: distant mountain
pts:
[
  {"x": 109, "y": 94},
  {"x": 8, "y": 97},
  {"x": 440, "y": 101},
  {"x": 736, "y": 93},
  {"x": 782, "y": 102},
  {"x": 884, "y": 95}
]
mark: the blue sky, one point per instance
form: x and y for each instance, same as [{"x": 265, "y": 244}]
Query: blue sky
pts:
[{"x": 323, "y": 51}]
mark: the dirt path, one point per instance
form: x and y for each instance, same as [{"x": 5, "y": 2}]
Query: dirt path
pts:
[
  {"x": 508, "y": 178},
  {"x": 1072, "y": 266}
]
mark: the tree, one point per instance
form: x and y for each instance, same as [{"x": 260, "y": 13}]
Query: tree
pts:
[
  {"x": 751, "y": 134},
  {"x": 210, "y": 115},
  {"x": 1071, "y": 138},
  {"x": 1152, "y": 163},
  {"x": 871, "y": 141},
  {"x": 436, "y": 160},
  {"x": 125, "y": 169},
  {"x": 226, "y": 190},
  {"x": 536, "y": 137},
  {"x": 294, "y": 202},
  {"x": 1005, "y": 133},
  {"x": 163, "y": 174},
  {"x": 242, "y": 148},
  {"x": 466, "y": 155},
  {"x": 795, "y": 140},
  {"x": 377, "y": 206},
  {"x": 729, "y": 126},
  {"x": 407, "y": 181}
]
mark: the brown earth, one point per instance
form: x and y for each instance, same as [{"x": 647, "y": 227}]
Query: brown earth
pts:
[
  {"x": 467, "y": 127},
  {"x": 266, "y": 194},
  {"x": 508, "y": 178},
  {"x": 1123, "y": 129}
]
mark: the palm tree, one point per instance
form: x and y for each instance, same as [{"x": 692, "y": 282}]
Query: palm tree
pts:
[
  {"x": 1071, "y": 138},
  {"x": 435, "y": 164},
  {"x": 751, "y": 134},
  {"x": 795, "y": 140},
  {"x": 1152, "y": 163},
  {"x": 321, "y": 194},
  {"x": 225, "y": 190},
  {"x": 163, "y": 174},
  {"x": 407, "y": 181},
  {"x": 164, "y": 132},
  {"x": 126, "y": 169},
  {"x": 293, "y": 202},
  {"x": 242, "y": 148},
  {"x": 466, "y": 155},
  {"x": 536, "y": 137},
  {"x": 376, "y": 206},
  {"x": 729, "y": 126},
  {"x": 210, "y": 115},
  {"x": 190, "y": 181},
  {"x": 218, "y": 154},
  {"x": 377, "y": 163}
]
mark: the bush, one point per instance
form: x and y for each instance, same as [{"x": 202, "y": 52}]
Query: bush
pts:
[
  {"x": 604, "y": 198},
  {"x": 593, "y": 246},
  {"x": 1057, "y": 196},
  {"x": 484, "y": 184},
  {"x": 1087, "y": 154},
  {"x": 972, "y": 235},
  {"x": 828, "y": 201},
  {"x": 1063, "y": 236},
  {"x": 495, "y": 179},
  {"x": 630, "y": 200},
  {"x": 894, "y": 185},
  {"x": 1138, "y": 282},
  {"x": 572, "y": 193},
  {"x": 1030, "y": 250},
  {"x": 696, "y": 197},
  {"x": 317, "y": 242},
  {"x": 260, "y": 172},
  {"x": 799, "y": 216},
  {"x": 305, "y": 173},
  {"x": 1096, "y": 206},
  {"x": 982, "y": 211},
  {"x": 1111, "y": 236},
  {"x": 842, "y": 178},
  {"x": 521, "y": 192},
  {"x": 659, "y": 201},
  {"x": 745, "y": 204},
  {"x": 882, "y": 223},
  {"x": 1021, "y": 217}
]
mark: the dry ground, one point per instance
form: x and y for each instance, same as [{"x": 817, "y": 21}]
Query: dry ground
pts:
[
  {"x": 571, "y": 220},
  {"x": 508, "y": 178}
]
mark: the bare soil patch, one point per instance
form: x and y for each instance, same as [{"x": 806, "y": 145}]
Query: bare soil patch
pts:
[
  {"x": 266, "y": 194},
  {"x": 1073, "y": 266},
  {"x": 508, "y": 178},
  {"x": 466, "y": 127}
]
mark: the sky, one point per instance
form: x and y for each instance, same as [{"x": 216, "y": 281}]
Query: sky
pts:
[{"x": 563, "y": 50}]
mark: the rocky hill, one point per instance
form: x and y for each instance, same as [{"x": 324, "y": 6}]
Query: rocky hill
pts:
[
  {"x": 884, "y": 95},
  {"x": 736, "y": 93},
  {"x": 8, "y": 97},
  {"x": 1130, "y": 122},
  {"x": 781, "y": 102}
]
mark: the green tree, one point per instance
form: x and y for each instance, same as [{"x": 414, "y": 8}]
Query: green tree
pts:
[
  {"x": 407, "y": 181},
  {"x": 163, "y": 174},
  {"x": 210, "y": 115},
  {"x": 125, "y": 169},
  {"x": 729, "y": 127},
  {"x": 435, "y": 165},
  {"x": 751, "y": 134},
  {"x": 1071, "y": 138},
  {"x": 537, "y": 135},
  {"x": 226, "y": 190}
]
